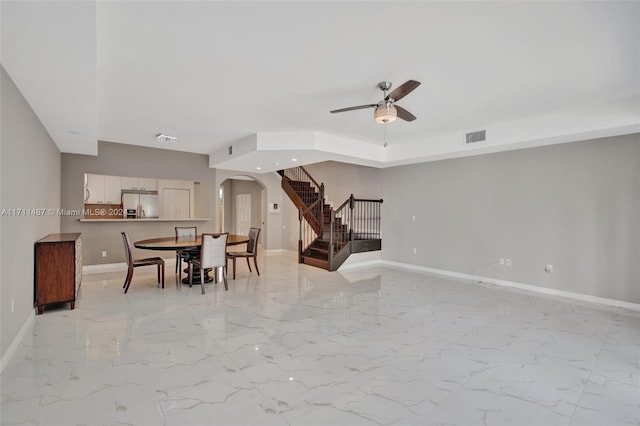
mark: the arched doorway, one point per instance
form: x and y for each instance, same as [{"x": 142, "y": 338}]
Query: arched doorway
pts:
[{"x": 242, "y": 205}]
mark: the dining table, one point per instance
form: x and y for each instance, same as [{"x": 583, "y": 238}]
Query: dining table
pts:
[{"x": 186, "y": 243}]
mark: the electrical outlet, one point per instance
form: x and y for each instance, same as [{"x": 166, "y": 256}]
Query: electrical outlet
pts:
[
  {"x": 507, "y": 262},
  {"x": 502, "y": 260},
  {"x": 104, "y": 253},
  {"x": 549, "y": 268}
]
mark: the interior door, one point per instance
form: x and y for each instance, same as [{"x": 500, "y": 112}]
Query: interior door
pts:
[
  {"x": 243, "y": 214},
  {"x": 175, "y": 203}
]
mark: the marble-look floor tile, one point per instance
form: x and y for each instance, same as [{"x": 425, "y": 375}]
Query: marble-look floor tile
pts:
[{"x": 301, "y": 346}]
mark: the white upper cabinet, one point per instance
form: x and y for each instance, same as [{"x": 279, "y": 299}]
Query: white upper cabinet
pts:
[
  {"x": 139, "y": 184},
  {"x": 94, "y": 189},
  {"x": 129, "y": 182},
  {"x": 112, "y": 190},
  {"x": 146, "y": 184},
  {"x": 100, "y": 189}
]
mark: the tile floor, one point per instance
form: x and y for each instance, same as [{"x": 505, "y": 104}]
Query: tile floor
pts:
[{"x": 301, "y": 346}]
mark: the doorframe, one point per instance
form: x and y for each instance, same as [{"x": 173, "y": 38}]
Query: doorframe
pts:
[{"x": 221, "y": 178}]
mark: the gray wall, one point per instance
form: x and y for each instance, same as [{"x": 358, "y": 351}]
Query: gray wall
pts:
[
  {"x": 30, "y": 178},
  {"x": 228, "y": 219},
  {"x": 128, "y": 160},
  {"x": 576, "y": 206},
  {"x": 341, "y": 180},
  {"x": 290, "y": 224}
]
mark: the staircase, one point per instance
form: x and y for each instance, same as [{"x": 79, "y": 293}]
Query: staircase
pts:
[{"x": 327, "y": 236}]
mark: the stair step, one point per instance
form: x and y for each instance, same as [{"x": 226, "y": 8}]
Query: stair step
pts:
[
  {"x": 312, "y": 261},
  {"x": 320, "y": 243},
  {"x": 319, "y": 251}
]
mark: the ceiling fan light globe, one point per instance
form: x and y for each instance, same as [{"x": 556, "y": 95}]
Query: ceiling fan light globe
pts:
[{"x": 385, "y": 114}]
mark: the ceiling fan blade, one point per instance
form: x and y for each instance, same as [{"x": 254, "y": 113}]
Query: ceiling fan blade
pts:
[
  {"x": 403, "y": 90},
  {"x": 404, "y": 114},
  {"x": 354, "y": 108}
]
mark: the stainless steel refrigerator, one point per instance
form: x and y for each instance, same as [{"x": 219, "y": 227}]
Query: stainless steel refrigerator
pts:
[{"x": 141, "y": 204}]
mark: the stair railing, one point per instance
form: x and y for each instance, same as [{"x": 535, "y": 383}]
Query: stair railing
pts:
[
  {"x": 340, "y": 234},
  {"x": 311, "y": 223},
  {"x": 364, "y": 220},
  {"x": 356, "y": 219},
  {"x": 300, "y": 174}
]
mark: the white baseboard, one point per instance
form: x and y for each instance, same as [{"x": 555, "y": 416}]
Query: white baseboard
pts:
[
  {"x": 104, "y": 267},
  {"x": 273, "y": 252},
  {"x": 16, "y": 340},
  {"x": 498, "y": 282}
]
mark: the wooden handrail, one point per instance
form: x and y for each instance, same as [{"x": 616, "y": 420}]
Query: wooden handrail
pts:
[
  {"x": 311, "y": 206},
  {"x": 309, "y": 176},
  {"x": 368, "y": 200}
]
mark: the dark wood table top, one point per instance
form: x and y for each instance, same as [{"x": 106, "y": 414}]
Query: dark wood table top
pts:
[{"x": 175, "y": 243}]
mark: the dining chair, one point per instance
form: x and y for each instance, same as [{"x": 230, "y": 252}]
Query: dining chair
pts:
[
  {"x": 252, "y": 251},
  {"x": 184, "y": 254},
  {"x": 212, "y": 255},
  {"x": 131, "y": 263}
]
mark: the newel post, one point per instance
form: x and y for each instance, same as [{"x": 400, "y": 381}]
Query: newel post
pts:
[
  {"x": 352, "y": 204},
  {"x": 320, "y": 217},
  {"x": 300, "y": 236}
]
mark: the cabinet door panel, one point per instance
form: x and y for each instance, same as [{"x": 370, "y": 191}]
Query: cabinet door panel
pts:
[
  {"x": 112, "y": 190},
  {"x": 95, "y": 189},
  {"x": 129, "y": 182},
  {"x": 146, "y": 184},
  {"x": 175, "y": 203}
]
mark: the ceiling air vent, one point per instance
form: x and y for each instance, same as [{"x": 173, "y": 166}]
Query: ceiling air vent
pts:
[{"x": 476, "y": 136}]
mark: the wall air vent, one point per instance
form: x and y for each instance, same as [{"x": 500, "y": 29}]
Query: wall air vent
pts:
[
  {"x": 476, "y": 136},
  {"x": 230, "y": 149}
]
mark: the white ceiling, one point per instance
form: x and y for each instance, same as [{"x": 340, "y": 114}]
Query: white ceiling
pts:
[{"x": 262, "y": 76}]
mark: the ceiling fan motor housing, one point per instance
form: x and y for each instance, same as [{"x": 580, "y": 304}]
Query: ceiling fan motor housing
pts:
[{"x": 385, "y": 110}]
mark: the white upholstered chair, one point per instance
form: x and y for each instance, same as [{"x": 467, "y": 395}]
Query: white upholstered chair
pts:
[{"x": 212, "y": 255}]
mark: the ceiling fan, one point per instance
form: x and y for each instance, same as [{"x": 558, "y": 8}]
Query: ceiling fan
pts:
[{"x": 386, "y": 110}]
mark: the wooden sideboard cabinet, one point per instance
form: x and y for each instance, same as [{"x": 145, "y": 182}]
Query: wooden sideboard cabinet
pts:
[{"x": 58, "y": 269}]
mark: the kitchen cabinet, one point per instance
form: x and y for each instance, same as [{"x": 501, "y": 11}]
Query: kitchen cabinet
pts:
[
  {"x": 58, "y": 269},
  {"x": 112, "y": 190},
  {"x": 100, "y": 189},
  {"x": 129, "y": 183},
  {"x": 146, "y": 184},
  {"x": 139, "y": 184},
  {"x": 94, "y": 189}
]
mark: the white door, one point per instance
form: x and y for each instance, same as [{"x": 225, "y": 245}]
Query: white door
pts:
[
  {"x": 175, "y": 203},
  {"x": 243, "y": 214}
]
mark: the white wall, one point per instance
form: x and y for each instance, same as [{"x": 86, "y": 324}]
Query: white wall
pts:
[{"x": 30, "y": 179}]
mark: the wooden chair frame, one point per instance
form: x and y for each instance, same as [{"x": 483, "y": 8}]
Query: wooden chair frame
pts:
[
  {"x": 182, "y": 231},
  {"x": 131, "y": 263},
  {"x": 252, "y": 252}
]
